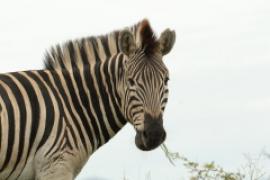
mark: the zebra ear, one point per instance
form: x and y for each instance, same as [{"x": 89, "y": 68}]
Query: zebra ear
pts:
[
  {"x": 166, "y": 41},
  {"x": 127, "y": 43}
]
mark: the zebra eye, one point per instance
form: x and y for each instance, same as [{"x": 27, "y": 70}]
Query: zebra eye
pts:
[
  {"x": 130, "y": 82},
  {"x": 166, "y": 81}
]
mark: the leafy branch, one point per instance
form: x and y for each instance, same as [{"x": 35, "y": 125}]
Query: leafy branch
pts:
[{"x": 252, "y": 170}]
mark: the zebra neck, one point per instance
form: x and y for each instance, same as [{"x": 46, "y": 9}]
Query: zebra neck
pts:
[{"x": 93, "y": 92}]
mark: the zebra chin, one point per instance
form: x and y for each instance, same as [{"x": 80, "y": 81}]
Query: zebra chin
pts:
[{"x": 153, "y": 134}]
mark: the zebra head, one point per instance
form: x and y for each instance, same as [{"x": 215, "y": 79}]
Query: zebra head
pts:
[{"x": 144, "y": 82}]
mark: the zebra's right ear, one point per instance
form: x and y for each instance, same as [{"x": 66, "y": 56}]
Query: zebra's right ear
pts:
[{"x": 126, "y": 43}]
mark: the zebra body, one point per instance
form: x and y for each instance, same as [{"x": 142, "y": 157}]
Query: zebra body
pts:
[{"x": 52, "y": 120}]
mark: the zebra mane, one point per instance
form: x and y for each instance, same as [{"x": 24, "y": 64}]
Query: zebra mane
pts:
[
  {"x": 71, "y": 54},
  {"x": 75, "y": 53},
  {"x": 149, "y": 42}
]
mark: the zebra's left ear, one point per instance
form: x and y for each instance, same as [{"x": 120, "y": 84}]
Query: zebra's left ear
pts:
[
  {"x": 126, "y": 42},
  {"x": 166, "y": 41}
]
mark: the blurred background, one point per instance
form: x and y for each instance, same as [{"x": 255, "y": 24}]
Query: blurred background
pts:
[{"x": 219, "y": 103}]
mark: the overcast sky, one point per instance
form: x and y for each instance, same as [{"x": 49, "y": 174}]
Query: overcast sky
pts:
[{"x": 219, "y": 104}]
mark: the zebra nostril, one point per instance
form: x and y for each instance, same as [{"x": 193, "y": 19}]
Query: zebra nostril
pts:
[{"x": 145, "y": 134}]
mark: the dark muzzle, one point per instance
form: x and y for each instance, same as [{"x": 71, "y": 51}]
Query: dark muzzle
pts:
[{"x": 153, "y": 134}]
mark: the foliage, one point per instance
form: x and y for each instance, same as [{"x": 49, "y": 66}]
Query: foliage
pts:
[
  {"x": 252, "y": 170},
  {"x": 207, "y": 171}
]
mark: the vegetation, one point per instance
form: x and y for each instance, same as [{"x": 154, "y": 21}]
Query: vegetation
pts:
[{"x": 251, "y": 170}]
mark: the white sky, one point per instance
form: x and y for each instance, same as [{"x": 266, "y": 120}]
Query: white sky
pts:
[{"x": 219, "y": 105}]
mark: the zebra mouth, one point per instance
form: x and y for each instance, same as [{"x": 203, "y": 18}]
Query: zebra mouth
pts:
[
  {"x": 152, "y": 134},
  {"x": 147, "y": 143}
]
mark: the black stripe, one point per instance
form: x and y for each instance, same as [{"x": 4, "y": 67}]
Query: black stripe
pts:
[
  {"x": 105, "y": 43},
  {"x": 11, "y": 126},
  {"x": 0, "y": 127},
  {"x": 165, "y": 100},
  {"x": 35, "y": 109},
  {"x": 22, "y": 111},
  {"x": 50, "y": 111},
  {"x": 114, "y": 75},
  {"x": 116, "y": 34},
  {"x": 60, "y": 57},
  {"x": 57, "y": 137},
  {"x": 67, "y": 143},
  {"x": 133, "y": 98}
]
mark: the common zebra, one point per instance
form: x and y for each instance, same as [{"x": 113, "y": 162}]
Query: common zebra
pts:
[{"x": 53, "y": 119}]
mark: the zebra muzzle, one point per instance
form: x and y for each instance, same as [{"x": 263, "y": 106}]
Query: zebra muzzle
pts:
[{"x": 152, "y": 135}]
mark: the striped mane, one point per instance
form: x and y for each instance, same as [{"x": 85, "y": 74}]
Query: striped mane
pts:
[{"x": 75, "y": 53}]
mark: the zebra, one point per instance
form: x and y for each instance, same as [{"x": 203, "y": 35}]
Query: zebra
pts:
[{"x": 52, "y": 120}]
